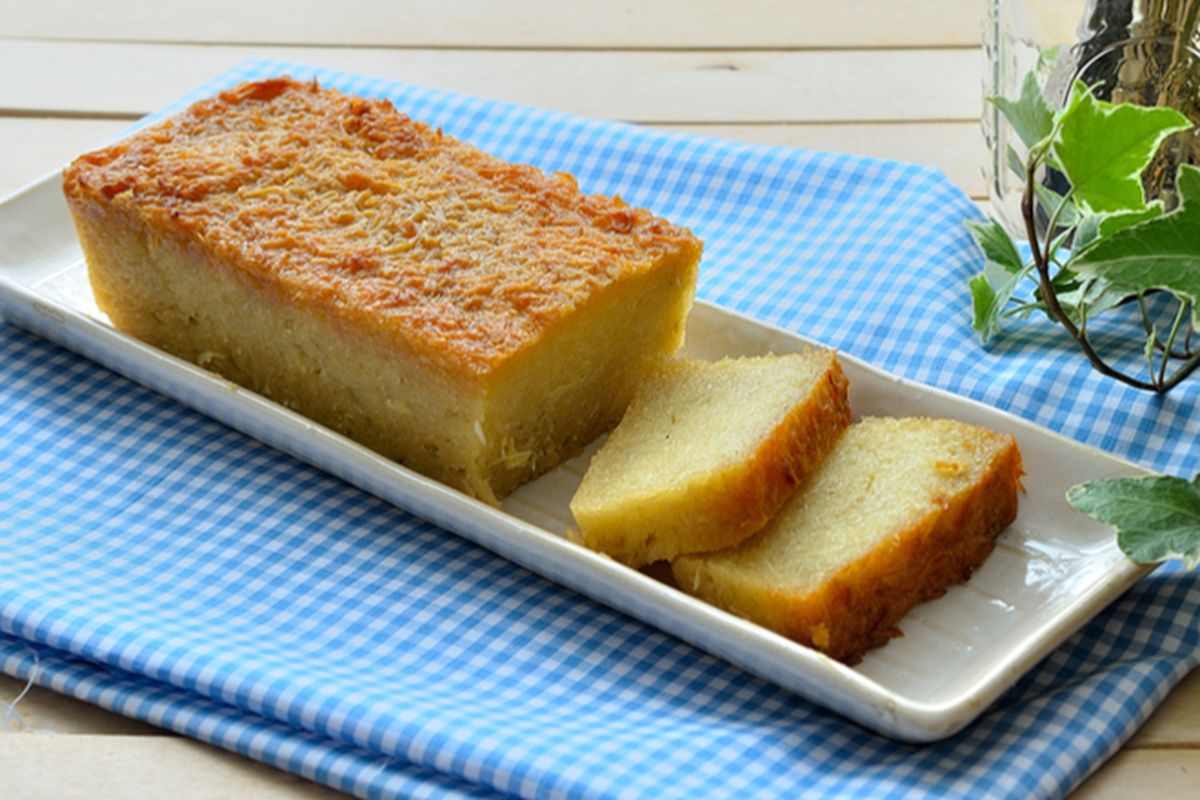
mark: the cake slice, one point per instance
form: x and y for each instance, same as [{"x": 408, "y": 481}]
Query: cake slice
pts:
[
  {"x": 899, "y": 510},
  {"x": 708, "y": 452},
  {"x": 476, "y": 320}
]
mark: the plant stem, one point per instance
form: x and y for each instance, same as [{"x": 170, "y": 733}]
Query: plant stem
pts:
[
  {"x": 1151, "y": 335},
  {"x": 1162, "y": 369},
  {"x": 1148, "y": 327},
  {"x": 1053, "y": 251},
  {"x": 1187, "y": 369},
  {"x": 1050, "y": 298}
]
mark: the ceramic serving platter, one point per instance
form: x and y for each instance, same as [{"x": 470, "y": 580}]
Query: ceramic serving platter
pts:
[{"x": 1052, "y": 570}]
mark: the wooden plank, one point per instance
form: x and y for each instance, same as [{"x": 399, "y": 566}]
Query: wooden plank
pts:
[
  {"x": 85, "y": 766},
  {"x": 1144, "y": 774},
  {"x": 530, "y": 23},
  {"x": 642, "y": 86},
  {"x": 39, "y": 145}
]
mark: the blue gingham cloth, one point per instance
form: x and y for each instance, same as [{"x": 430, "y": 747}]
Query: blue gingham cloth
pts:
[{"x": 159, "y": 564}]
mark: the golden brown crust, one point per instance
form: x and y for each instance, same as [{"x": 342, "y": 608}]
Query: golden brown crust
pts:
[
  {"x": 347, "y": 206},
  {"x": 791, "y": 452}
]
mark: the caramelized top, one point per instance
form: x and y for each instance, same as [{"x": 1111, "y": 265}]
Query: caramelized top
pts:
[{"x": 347, "y": 205}]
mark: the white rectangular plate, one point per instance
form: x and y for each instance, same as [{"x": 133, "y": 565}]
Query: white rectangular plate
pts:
[{"x": 1052, "y": 570}]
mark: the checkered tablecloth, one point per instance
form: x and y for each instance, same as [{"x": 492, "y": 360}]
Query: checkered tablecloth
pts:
[{"x": 159, "y": 564}]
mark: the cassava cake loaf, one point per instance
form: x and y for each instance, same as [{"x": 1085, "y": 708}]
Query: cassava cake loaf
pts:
[
  {"x": 476, "y": 320},
  {"x": 900, "y": 509},
  {"x": 670, "y": 481}
]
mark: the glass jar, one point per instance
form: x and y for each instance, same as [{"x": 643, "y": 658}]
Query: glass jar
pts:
[{"x": 1140, "y": 51}]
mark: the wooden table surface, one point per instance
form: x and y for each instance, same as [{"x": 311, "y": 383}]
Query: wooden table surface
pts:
[{"x": 874, "y": 77}]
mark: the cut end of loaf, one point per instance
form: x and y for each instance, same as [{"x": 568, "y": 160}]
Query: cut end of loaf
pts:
[{"x": 708, "y": 452}]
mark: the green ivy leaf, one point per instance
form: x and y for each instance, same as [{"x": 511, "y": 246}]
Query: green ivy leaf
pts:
[
  {"x": 1003, "y": 271},
  {"x": 997, "y": 246},
  {"x": 990, "y": 296},
  {"x": 1015, "y": 163},
  {"x": 1111, "y": 223},
  {"x": 1096, "y": 295},
  {"x": 1157, "y": 518},
  {"x": 1051, "y": 201},
  {"x": 1093, "y": 226},
  {"x": 1104, "y": 148},
  {"x": 983, "y": 306},
  {"x": 1087, "y": 231},
  {"x": 1160, "y": 252},
  {"x": 1031, "y": 117}
]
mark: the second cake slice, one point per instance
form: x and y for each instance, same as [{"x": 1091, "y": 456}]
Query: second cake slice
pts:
[
  {"x": 708, "y": 452},
  {"x": 899, "y": 510}
]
